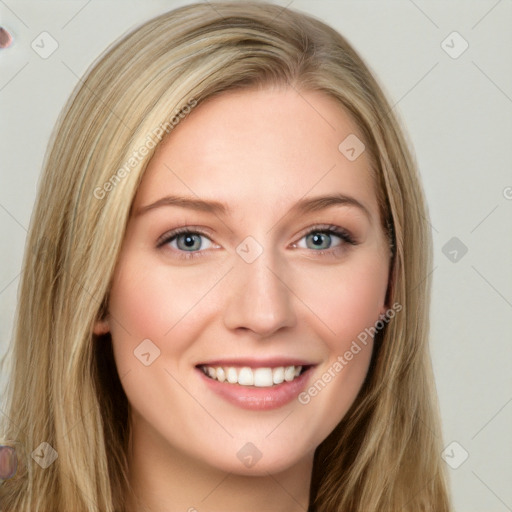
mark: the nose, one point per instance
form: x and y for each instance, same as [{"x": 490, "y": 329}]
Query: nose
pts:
[{"x": 259, "y": 300}]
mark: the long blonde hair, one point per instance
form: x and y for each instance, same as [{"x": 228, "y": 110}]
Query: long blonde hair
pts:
[{"x": 64, "y": 389}]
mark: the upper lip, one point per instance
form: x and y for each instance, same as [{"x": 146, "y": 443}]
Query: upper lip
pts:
[{"x": 273, "y": 362}]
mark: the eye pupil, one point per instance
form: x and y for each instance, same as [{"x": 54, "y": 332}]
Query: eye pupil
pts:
[
  {"x": 319, "y": 240},
  {"x": 189, "y": 242}
]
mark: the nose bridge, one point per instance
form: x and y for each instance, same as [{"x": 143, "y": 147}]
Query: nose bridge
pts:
[{"x": 259, "y": 299}]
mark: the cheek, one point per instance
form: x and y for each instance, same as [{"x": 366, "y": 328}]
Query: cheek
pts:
[
  {"x": 135, "y": 304},
  {"x": 346, "y": 298},
  {"x": 345, "y": 302},
  {"x": 153, "y": 302}
]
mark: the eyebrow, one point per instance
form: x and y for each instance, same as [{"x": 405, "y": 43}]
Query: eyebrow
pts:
[
  {"x": 305, "y": 205},
  {"x": 185, "y": 202},
  {"x": 320, "y": 203}
]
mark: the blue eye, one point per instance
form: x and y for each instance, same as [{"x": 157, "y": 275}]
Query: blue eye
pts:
[
  {"x": 318, "y": 241},
  {"x": 187, "y": 241},
  {"x": 325, "y": 239}
]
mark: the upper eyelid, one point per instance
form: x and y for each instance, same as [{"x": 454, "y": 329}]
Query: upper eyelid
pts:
[{"x": 173, "y": 233}]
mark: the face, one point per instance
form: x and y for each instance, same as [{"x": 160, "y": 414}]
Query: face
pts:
[{"x": 253, "y": 259}]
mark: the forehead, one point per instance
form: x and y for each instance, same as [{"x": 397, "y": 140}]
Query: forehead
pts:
[{"x": 260, "y": 148}]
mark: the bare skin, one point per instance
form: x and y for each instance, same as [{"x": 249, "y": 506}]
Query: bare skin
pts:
[{"x": 320, "y": 280}]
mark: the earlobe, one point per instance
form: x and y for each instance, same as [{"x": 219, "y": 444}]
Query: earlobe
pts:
[{"x": 101, "y": 327}]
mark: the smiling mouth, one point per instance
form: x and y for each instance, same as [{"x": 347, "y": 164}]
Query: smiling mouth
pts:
[{"x": 256, "y": 377}]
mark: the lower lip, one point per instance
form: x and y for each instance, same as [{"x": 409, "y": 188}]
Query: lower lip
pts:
[{"x": 256, "y": 398}]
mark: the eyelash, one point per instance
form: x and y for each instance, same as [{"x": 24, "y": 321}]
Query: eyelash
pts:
[{"x": 341, "y": 233}]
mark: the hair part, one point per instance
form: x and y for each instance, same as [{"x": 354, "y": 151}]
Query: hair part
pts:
[{"x": 64, "y": 387}]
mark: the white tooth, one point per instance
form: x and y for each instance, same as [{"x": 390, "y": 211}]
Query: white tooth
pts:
[
  {"x": 263, "y": 377},
  {"x": 211, "y": 372},
  {"x": 245, "y": 376},
  {"x": 298, "y": 369},
  {"x": 278, "y": 375},
  {"x": 221, "y": 376},
  {"x": 231, "y": 375},
  {"x": 289, "y": 373}
]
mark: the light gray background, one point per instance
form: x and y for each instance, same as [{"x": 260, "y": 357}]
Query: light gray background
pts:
[{"x": 458, "y": 112}]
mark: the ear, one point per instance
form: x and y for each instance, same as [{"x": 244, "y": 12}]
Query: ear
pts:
[{"x": 101, "y": 327}]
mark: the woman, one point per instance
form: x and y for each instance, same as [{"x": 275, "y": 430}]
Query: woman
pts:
[{"x": 225, "y": 297}]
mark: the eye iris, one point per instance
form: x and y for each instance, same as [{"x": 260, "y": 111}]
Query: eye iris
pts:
[
  {"x": 189, "y": 242},
  {"x": 319, "y": 240}
]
